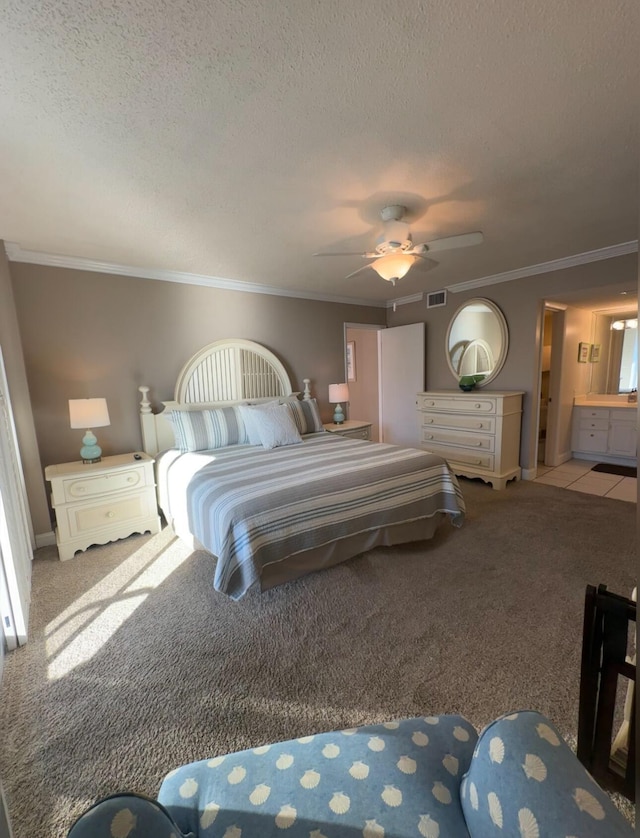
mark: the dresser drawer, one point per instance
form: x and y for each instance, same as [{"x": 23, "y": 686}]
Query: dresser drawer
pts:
[
  {"x": 77, "y": 488},
  {"x": 587, "y": 424},
  {"x": 88, "y": 518},
  {"x": 460, "y": 404},
  {"x": 468, "y": 423},
  {"x": 474, "y": 459},
  {"x": 594, "y": 441},
  {"x": 444, "y": 437}
]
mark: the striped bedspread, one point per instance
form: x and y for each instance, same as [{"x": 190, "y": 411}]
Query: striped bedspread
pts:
[{"x": 251, "y": 507}]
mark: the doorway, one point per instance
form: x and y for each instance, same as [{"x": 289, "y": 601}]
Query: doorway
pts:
[
  {"x": 545, "y": 377},
  {"x": 384, "y": 369},
  {"x": 361, "y": 374}
]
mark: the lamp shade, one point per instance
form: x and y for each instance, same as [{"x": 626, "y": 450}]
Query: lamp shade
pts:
[
  {"x": 88, "y": 413},
  {"x": 393, "y": 266},
  {"x": 338, "y": 393}
]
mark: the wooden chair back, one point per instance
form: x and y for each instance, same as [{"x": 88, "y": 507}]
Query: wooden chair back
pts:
[{"x": 610, "y": 760}]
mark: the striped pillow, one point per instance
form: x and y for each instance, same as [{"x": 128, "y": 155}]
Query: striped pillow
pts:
[
  {"x": 201, "y": 430},
  {"x": 306, "y": 416}
]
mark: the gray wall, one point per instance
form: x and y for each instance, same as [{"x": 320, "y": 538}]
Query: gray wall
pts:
[
  {"x": 521, "y": 304},
  {"x": 10, "y": 341},
  {"x": 90, "y": 334}
]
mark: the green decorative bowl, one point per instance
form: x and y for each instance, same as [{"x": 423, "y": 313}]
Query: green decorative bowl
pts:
[{"x": 468, "y": 382}]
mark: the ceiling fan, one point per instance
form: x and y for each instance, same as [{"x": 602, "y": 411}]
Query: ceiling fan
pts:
[{"x": 395, "y": 251}]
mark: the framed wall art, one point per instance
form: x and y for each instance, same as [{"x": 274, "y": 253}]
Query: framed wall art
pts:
[
  {"x": 583, "y": 352},
  {"x": 594, "y": 355},
  {"x": 351, "y": 360}
]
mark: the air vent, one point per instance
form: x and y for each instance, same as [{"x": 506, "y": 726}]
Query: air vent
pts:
[{"x": 436, "y": 298}]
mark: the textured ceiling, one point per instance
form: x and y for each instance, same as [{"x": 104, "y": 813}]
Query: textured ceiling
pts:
[{"x": 234, "y": 138}]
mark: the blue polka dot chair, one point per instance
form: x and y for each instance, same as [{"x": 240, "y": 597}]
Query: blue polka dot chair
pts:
[{"x": 429, "y": 776}]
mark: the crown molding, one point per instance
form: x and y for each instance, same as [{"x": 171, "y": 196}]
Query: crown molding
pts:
[
  {"x": 547, "y": 267},
  {"x": 16, "y": 254},
  {"x": 402, "y": 301}
]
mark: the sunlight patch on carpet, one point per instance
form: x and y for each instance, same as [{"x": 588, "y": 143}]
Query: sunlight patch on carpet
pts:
[{"x": 82, "y": 629}]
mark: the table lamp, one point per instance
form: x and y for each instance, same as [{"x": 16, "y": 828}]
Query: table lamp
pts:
[
  {"x": 89, "y": 413},
  {"x": 338, "y": 393}
]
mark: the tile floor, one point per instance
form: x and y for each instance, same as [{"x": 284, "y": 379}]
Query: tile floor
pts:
[{"x": 577, "y": 476}]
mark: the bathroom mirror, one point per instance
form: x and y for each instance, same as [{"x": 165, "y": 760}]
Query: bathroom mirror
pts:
[
  {"x": 477, "y": 340},
  {"x": 614, "y": 353}
]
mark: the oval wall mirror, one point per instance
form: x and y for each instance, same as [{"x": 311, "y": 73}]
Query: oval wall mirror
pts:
[{"x": 477, "y": 340}]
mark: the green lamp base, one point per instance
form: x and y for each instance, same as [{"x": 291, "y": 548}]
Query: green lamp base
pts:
[{"x": 338, "y": 415}]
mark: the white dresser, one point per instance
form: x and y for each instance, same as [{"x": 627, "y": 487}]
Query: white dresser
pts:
[
  {"x": 602, "y": 431},
  {"x": 100, "y": 502},
  {"x": 478, "y": 433}
]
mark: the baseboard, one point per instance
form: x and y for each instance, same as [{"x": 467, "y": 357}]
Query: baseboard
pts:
[{"x": 45, "y": 539}]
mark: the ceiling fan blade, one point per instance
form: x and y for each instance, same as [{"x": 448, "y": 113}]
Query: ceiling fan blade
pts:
[
  {"x": 353, "y": 273},
  {"x": 348, "y": 253},
  {"x": 451, "y": 242},
  {"x": 426, "y": 263}
]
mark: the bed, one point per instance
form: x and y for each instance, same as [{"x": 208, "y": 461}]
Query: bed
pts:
[{"x": 246, "y": 471}]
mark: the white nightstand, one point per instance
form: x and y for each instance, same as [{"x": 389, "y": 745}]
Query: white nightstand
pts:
[
  {"x": 100, "y": 502},
  {"x": 353, "y": 428}
]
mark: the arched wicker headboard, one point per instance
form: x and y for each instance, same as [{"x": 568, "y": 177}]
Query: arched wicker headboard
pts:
[{"x": 223, "y": 373}]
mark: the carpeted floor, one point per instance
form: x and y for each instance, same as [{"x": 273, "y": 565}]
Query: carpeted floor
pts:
[{"x": 135, "y": 665}]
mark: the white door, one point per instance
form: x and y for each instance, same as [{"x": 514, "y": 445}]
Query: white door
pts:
[
  {"x": 16, "y": 550},
  {"x": 401, "y": 375}
]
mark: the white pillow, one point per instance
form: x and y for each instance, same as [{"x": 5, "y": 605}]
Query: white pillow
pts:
[
  {"x": 251, "y": 414},
  {"x": 276, "y": 426}
]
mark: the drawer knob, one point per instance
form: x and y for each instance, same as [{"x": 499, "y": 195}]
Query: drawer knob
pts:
[
  {"x": 431, "y": 404},
  {"x": 428, "y": 436},
  {"x": 478, "y": 443},
  {"x": 478, "y": 405},
  {"x": 430, "y": 421},
  {"x": 131, "y": 479},
  {"x": 81, "y": 489},
  {"x": 480, "y": 425},
  {"x": 111, "y": 514}
]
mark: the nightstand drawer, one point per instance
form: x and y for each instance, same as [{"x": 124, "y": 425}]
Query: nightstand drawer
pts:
[
  {"x": 85, "y": 518},
  {"x": 352, "y": 428},
  {"x": 102, "y": 484},
  {"x": 363, "y": 433}
]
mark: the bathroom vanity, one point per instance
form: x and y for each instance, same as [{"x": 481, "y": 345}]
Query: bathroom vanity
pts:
[{"x": 605, "y": 429}]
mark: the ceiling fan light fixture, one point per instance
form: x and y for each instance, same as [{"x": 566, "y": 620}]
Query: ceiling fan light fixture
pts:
[{"x": 393, "y": 266}]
